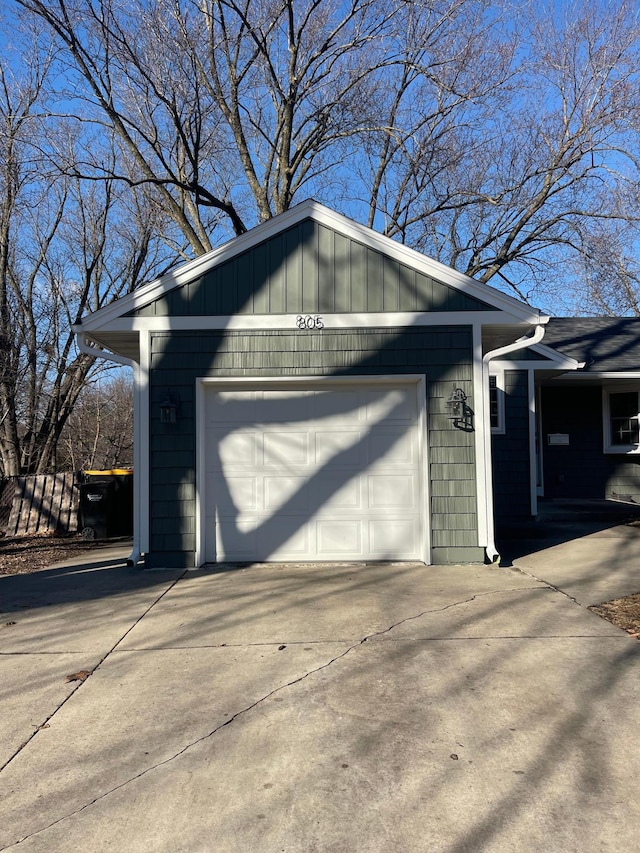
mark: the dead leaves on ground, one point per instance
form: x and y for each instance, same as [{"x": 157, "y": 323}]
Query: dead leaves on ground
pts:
[
  {"x": 81, "y": 675},
  {"x": 622, "y": 612}
]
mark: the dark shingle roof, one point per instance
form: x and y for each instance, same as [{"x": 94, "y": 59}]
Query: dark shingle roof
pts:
[{"x": 609, "y": 344}]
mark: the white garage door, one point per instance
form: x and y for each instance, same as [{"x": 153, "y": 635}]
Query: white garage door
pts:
[{"x": 315, "y": 473}]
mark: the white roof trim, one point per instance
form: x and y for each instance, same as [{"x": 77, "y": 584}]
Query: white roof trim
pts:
[
  {"x": 553, "y": 360},
  {"x": 260, "y": 322},
  {"x": 319, "y": 213},
  {"x": 631, "y": 376}
]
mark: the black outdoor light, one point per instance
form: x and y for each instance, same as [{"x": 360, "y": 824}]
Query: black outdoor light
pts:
[
  {"x": 168, "y": 410},
  {"x": 455, "y": 404},
  {"x": 458, "y": 411}
]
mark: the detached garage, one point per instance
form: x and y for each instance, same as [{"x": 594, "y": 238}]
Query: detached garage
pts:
[{"x": 312, "y": 391}]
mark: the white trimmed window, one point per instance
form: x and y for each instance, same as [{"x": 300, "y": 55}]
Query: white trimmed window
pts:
[
  {"x": 496, "y": 404},
  {"x": 621, "y": 410}
]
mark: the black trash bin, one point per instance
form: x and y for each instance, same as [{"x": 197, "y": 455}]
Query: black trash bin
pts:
[{"x": 106, "y": 504}]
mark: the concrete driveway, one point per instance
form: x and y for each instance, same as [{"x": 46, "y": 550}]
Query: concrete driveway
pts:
[{"x": 318, "y": 708}]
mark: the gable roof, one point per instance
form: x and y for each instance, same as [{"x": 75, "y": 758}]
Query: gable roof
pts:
[
  {"x": 460, "y": 291},
  {"x": 604, "y": 344}
]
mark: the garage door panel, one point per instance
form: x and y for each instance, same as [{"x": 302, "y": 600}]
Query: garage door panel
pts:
[
  {"x": 278, "y": 491},
  {"x": 278, "y": 406},
  {"x": 286, "y": 449},
  {"x": 236, "y": 407},
  {"x": 330, "y": 447},
  {"x": 394, "y": 538},
  {"x": 393, "y": 445},
  {"x": 287, "y": 540},
  {"x": 387, "y": 490},
  {"x": 344, "y": 490},
  {"x": 235, "y": 494},
  {"x": 337, "y": 407},
  {"x": 339, "y": 539},
  {"x": 237, "y": 541},
  {"x": 390, "y": 405},
  {"x": 313, "y": 474},
  {"x": 239, "y": 448}
]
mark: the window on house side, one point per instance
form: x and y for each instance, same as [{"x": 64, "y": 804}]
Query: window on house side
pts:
[
  {"x": 622, "y": 421},
  {"x": 496, "y": 405}
]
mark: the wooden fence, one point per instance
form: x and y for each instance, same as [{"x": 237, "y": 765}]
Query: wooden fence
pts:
[{"x": 47, "y": 503}]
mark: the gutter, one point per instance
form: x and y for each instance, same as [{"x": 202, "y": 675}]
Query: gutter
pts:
[
  {"x": 522, "y": 343},
  {"x": 85, "y": 347}
]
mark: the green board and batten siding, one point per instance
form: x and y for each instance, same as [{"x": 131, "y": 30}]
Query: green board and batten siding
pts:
[
  {"x": 310, "y": 268},
  {"x": 444, "y": 354}
]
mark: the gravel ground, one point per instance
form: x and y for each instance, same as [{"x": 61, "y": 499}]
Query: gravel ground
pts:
[{"x": 25, "y": 554}]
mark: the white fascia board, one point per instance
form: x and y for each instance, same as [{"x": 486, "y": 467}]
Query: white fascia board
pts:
[
  {"x": 551, "y": 360},
  {"x": 626, "y": 376},
  {"x": 288, "y": 322},
  {"x": 310, "y": 209},
  {"x": 548, "y": 351},
  {"x": 498, "y": 366}
]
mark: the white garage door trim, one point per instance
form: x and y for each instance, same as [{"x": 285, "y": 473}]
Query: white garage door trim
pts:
[{"x": 205, "y": 385}]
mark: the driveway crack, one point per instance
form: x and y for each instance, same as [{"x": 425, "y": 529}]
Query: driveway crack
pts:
[
  {"x": 78, "y": 686},
  {"x": 252, "y": 705},
  {"x": 550, "y": 586}
]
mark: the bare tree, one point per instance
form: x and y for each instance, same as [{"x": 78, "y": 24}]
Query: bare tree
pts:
[
  {"x": 99, "y": 431},
  {"x": 503, "y": 184},
  {"x": 482, "y": 137},
  {"x": 65, "y": 249},
  {"x": 17, "y": 100},
  {"x": 230, "y": 107}
]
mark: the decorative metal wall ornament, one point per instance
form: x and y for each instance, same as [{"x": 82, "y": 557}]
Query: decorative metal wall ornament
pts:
[{"x": 458, "y": 410}]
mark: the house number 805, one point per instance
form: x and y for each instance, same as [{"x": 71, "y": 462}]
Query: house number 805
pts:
[{"x": 309, "y": 321}]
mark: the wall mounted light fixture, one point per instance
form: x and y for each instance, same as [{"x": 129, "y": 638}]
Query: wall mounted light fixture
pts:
[
  {"x": 168, "y": 410},
  {"x": 455, "y": 404},
  {"x": 458, "y": 410}
]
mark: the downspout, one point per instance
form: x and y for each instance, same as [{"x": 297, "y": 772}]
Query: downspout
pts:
[
  {"x": 522, "y": 343},
  {"x": 134, "y": 557}
]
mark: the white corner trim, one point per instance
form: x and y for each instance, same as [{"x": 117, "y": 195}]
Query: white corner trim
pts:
[
  {"x": 145, "y": 435},
  {"x": 533, "y": 461},
  {"x": 523, "y": 343},
  {"x": 201, "y": 469},
  {"x": 423, "y": 454},
  {"x": 480, "y": 405}
]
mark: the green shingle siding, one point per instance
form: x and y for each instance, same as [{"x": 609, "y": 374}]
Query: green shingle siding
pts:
[
  {"x": 310, "y": 269},
  {"x": 441, "y": 538},
  {"x": 453, "y": 488},
  {"x": 444, "y": 354},
  {"x": 446, "y": 556}
]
